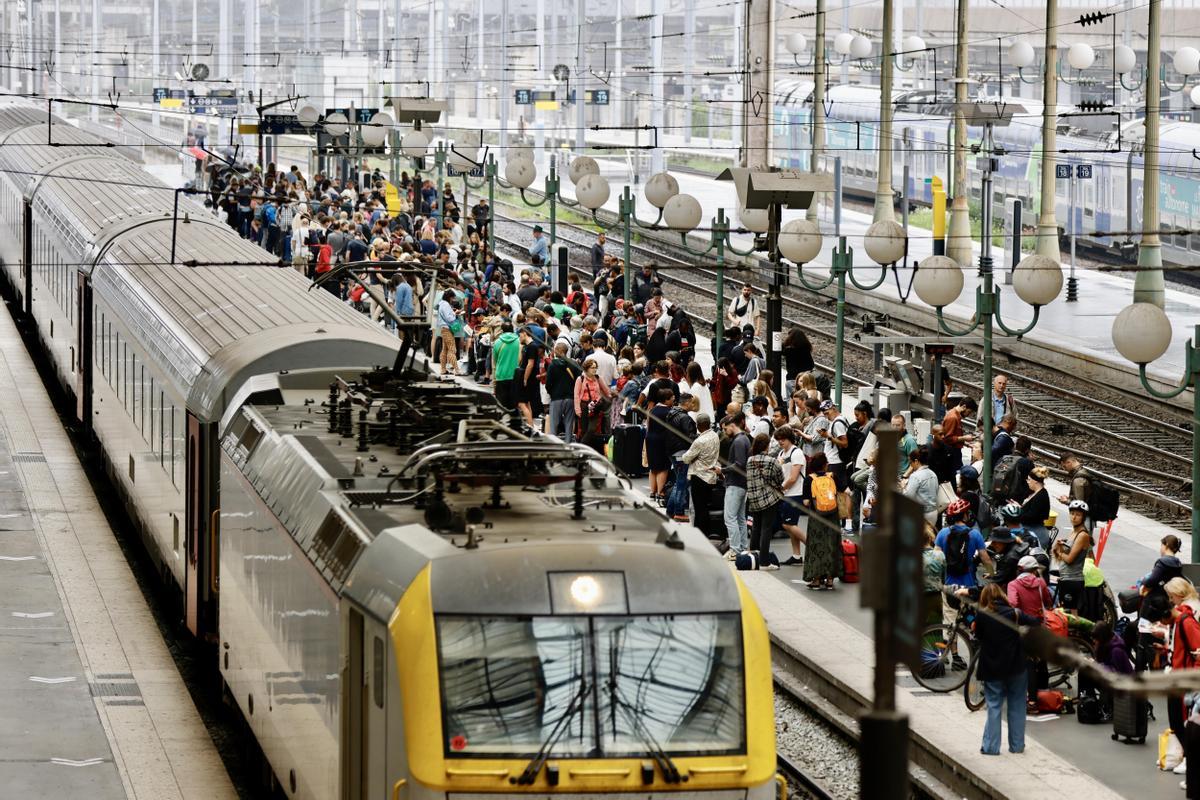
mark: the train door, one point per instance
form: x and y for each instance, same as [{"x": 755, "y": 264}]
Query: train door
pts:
[
  {"x": 83, "y": 352},
  {"x": 27, "y": 258},
  {"x": 200, "y": 567},
  {"x": 365, "y": 697}
]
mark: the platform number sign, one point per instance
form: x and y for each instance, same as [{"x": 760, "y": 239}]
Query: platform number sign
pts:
[
  {"x": 1062, "y": 171},
  {"x": 524, "y": 97},
  {"x": 599, "y": 97},
  {"x": 1083, "y": 171}
]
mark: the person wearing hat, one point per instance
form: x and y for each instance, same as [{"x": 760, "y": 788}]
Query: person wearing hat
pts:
[
  {"x": 1007, "y": 551},
  {"x": 539, "y": 251},
  {"x": 961, "y": 543},
  {"x": 1029, "y": 594},
  {"x": 1071, "y": 552}
]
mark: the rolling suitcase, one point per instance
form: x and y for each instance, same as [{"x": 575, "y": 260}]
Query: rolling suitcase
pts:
[
  {"x": 1130, "y": 718},
  {"x": 627, "y": 449}
]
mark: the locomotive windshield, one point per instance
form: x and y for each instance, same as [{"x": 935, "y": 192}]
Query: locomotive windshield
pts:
[{"x": 592, "y": 686}]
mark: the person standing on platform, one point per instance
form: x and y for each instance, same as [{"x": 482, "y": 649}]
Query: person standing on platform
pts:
[
  {"x": 592, "y": 402},
  {"x": 922, "y": 484},
  {"x": 933, "y": 563},
  {"x": 743, "y": 310},
  {"x": 598, "y": 255},
  {"x": 539, "y": 251},
  {"x": 1001, "y": 669},
  {"x": 797, "y": 356},
  {"x": 764, "y": 491},
  {"x": 952, "y": 428},
  {"x": 823, "y": 540},
  {"x": 793, "y": 465},
  {"x": 734, "y": 426},
  {"x": 702, "y": 458},
  {"x": 561, "y": 375},
  {"x": 1002, "y": 402}
]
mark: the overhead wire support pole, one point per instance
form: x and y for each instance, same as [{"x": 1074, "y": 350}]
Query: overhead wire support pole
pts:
[
  {"x": 1047, "y": 227},
  {"x": 1148, "y": 285},
  {"x": 958, "y": 246},
  {"x": 820, "y": 68},
  {"x": 757, "y": 106}
]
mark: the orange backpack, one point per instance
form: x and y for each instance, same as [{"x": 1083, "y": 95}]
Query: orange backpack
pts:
[{"x": 824, "y": 493}]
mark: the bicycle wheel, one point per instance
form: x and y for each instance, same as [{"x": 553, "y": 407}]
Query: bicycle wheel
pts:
[
  {"x": 973, "y": 688},
  {"x": 1063, "y": 678},
  {"x": 946, "y": 652}
]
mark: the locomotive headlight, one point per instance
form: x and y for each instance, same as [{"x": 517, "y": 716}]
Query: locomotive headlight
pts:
[
  {"x": 588, "y": 593},
  {"x": 585, "y": 590}
]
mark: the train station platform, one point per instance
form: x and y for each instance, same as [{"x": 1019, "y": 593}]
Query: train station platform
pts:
[
  {"x": 92, "y": 701},
  {"x": 831, "y": 634}
]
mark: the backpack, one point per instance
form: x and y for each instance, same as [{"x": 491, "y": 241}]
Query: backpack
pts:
[
  {"x": 1006, "y": 477},
  {"x": 957, "y": 544},
  {"x": 1103, "y": 500},
  {"x": 855, "y": 436},
  {"x": 1089, "y": 709},
  {"x": 824, "y": 493}
]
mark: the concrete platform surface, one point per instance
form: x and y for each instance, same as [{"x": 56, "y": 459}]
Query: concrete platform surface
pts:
[{"x": 93, "y": 704}]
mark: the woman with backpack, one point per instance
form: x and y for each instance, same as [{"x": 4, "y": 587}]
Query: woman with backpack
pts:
[
  {"x": 1071, "y": 553},
  {"x": 592, "y": 402},
  {"x": 823, "y": 546},
  {"x": 1185, "y": 649},
  {"x": 922, "y": 484},
  {"x": 1001, "y": 669}
]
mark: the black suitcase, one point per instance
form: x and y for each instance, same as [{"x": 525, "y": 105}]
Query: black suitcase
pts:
[
  {"x": 1130, "y": 718},
  {"x": 627, "y": 449}
]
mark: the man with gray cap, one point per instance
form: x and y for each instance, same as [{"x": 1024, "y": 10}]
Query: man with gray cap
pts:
[{"x": 703, "y": 469}]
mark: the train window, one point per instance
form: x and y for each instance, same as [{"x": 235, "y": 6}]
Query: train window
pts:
[
  {"x": 508, "y": 683},
  {"x": 162, "y": 430},
  {"x": 377, "y": 672}
]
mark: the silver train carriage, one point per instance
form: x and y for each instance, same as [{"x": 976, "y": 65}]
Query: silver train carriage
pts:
[{"x": 1109, "y": 202}]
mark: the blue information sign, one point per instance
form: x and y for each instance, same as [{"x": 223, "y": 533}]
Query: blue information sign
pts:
[
  {"x": 524, "y": 97},
  {"x": 1062, "y": 171},
  {"x": 222, "y": 106},
  {"x": 1083, "y": 171}
]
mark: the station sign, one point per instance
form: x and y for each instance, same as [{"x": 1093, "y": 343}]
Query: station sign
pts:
[
  {"x": 220, "y": 106},
  {"x": 474, "y": 172},
  {"x": 279, "y": 124},
  {"x": 524, "y": 97},
  {"x": 593, "y": 97},
  {"x": 1083, "y": 171},
  {"x": 1062, "y": 171},
  {"x": 361, "y": 115},
  {"x": 160, "y": 93}
]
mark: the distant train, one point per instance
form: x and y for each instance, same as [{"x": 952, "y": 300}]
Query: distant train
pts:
[
  {"x": 407, "y": 599},
  {"x": 1111, "y": 201}
]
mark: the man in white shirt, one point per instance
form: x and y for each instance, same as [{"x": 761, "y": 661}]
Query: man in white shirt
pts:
[
  {"x": 758, "y": 420},
  {"x": 606, "y": 362},
  {"x": 743, "y": 310},
  {"x": 791, "y": 515}
]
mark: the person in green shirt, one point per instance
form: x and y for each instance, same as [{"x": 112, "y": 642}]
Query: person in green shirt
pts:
[
  {"x": 559, "y": 308},
  {"x": 906, "y": 443},
  {"x": 505, "y": 353}
]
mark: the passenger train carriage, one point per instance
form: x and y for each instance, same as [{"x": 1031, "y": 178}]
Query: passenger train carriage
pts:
[
  {"x": 407, "y": 598},
  {"x": 1111, "y": 201}
]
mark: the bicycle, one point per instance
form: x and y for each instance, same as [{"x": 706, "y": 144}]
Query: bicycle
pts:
[
  {"x": 1061, "y": 678},
  {"x": 947, "y": 650}
]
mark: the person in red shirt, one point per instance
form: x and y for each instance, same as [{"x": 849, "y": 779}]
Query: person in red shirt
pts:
[{"x": 952, "y": 428}]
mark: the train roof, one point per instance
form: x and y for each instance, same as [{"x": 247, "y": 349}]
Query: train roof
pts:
[
  {"x": 351, "y": 510},
  {"x": 215, "y": 330}
]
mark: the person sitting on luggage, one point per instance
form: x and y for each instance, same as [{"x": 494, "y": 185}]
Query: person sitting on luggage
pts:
[{"x": 1111, "y": 654}]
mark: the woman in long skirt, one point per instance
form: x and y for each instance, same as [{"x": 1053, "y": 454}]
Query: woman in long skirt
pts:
[{"x": 823, "y": 549}]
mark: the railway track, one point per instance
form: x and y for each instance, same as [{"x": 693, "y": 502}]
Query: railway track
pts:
[
  {"x": 1147, "y": 457},
  {"x": 797, "y": 778}
]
